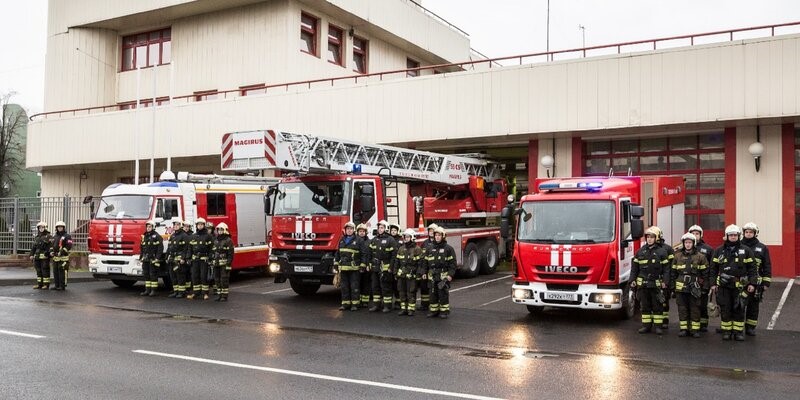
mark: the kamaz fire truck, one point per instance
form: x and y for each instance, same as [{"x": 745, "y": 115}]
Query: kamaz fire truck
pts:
[
  {"x": 576, "y": 238},
  {"x": 334, "y": 181},
  {"x": 119, "y": 221}
]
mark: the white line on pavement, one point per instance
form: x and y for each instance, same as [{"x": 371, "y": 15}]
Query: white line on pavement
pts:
[
  {"x": 495, "y": 301},
  {"x": 316, "y": 376},
  {"x": 276, "y": 291},
  {"x": 479, "y": 284},
  {"x": 774, "y": 319},
  {"x": 244, "y": 286},
  {"x": 27, "y": 335}
]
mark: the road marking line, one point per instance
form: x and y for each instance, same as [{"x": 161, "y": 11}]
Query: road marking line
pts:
[
  {"x": 495, "y": 301},
  {"x": 27, "y": 335},
  {"x": 276, "y": 291},
  {"x": 243, "y": 286},
  {"x": 316, "y": 376},
  {"x": 479, "y": 284},
  {"x": 774, "y": 319}
]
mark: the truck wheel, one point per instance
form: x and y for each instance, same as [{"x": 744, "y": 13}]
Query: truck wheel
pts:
[
  {"x": 535, "y": 310},
  {"x": 628, "y": 304},
  {"x": 304, "y": 289},
  {"x": 123, "y": 283},
  {"x": 471, "y": 261},
  {"x": 490, "y": 257}
]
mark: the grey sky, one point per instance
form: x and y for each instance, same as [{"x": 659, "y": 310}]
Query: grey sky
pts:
[{"x": 496, "y": 28}]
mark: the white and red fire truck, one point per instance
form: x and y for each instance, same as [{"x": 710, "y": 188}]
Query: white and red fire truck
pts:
[
  {"x": 336, "y": 181},
  {"x": 119, "y": 221},
  {"x": 576, "y": 237}
]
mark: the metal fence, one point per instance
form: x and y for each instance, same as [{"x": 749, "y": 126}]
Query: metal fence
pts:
[{"x": 19, "y": 216}]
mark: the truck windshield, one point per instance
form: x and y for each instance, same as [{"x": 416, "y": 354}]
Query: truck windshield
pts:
[
  {"x": 566, "y": 222},
  {"x": 305, "y": 198},
  {"x": 125, "y": 206}
]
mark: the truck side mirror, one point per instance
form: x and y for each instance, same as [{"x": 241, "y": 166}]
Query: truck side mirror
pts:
[
  {"x": 268, "y": 200},
  {"x": 637, "y": 212},
  {"x": 637, "y": 229},
  {"x": 505, "y": 220},
  {"x": 367, "y": 199}
]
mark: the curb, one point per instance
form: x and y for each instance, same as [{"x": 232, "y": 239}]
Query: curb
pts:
[{"x": 32, "y": 281}]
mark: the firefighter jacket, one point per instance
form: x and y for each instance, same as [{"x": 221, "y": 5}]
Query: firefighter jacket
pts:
[
  {"x": 152, "y": 246},
  {"x": 409, "y": 263},
  {"x": 350, "y": 253},
  {"x": 41, "y": 245},
  {"x": 763, "y": 261},
  {"x": 427, "y": 243},
  {"x": 733, "y": 266},
  {"x": 200, "y": 245},
  {"x": 383, "y": 249},
  {"x": 706, "y": 250},
  {"x": 176, "y": 249},
  {"x": 650, "y": 267},
  {"x": 223, "y": 251},
  {"x": 689, "y": 272},
  {"x": 440, "y": 261},
  {"x": 60, "y": 247},
  {"x": 668, "y": 250}
]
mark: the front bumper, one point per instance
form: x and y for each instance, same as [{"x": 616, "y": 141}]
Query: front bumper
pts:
[
  {"x": 113, "y": 267},
  {"x": 587, "y": 296}
]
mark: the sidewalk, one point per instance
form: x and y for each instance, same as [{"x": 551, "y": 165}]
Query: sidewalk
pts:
[{"x": 13, "y": 276}]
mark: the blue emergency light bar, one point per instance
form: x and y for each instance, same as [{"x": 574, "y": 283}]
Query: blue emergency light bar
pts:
[
  {"x": 356, "y": 169},
  {"x": 588, "y": 186}
]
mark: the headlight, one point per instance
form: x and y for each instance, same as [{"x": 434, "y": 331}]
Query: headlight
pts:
[
  {"x": 521, "y": 294},
  {"x": 274, "y": 268},
  {"x": 606, "y": 298},
  {"x": 92, "y": 260}
]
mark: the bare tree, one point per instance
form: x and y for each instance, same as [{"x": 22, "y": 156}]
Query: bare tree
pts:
[{"x": 12, "y": 145}]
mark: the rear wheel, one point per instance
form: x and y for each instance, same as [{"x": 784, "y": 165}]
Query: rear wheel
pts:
[
  {"x": 304, "y": 289},
  {"x": 489, "y": 257},
  {"x": 470, "y": 268},
  {"x": 123, "y": 283}
]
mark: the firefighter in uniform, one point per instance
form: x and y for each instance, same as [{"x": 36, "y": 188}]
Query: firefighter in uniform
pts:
[
  {"x": 764, "y": 268},
  {"x": 734, "y": 279},
  {"x": 394, "y": 232},
  {"x": 348, "y": 262},
  {"x": 407, "y": 268},
  {"x": 670, "y": 252},
  {"x": 175, "y": 250},
  {"x": 223, "y": 259},
  {"x": 186, "y": 260},
  {"x": 708, "y": 252},
  {"x": 59, "y": 253},
  {"x": 199, "y": 251},
  {"x": 440, "y": 267},
  {"x": 40, "y": 254},
  {"x": 650, "y": 274},
  {"x": 689, "y": 275},
  {"x": 152, "y": 246},
  {"x": 365, "y": 275},
  {"x": 424, "y": 286},
  {"x": 382, "y": 249}
]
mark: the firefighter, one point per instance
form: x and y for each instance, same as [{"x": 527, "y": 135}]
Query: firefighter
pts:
[
  {"x": 59, "y": 253},
  {"x": 211, "y": 270},
  {"x": 186, "y": 264},
  {"x": 365, "y": 275},
  {"x": 394, "y": 232},
  {"x": 424, "y": 287},
  {"x": 348, "y": 261},
  {"x": 689, "y": 275},
  {"x": 407, "y": 268},
  {"x": 382, "y": 249},
  {"x": 650, "y": 274},
  {"x": 670, "y": 252},
  {"x": 223, "y": 259},
  {"x": 152, "y": 246},
  {"x": 440, "y": 267},
  {"x": 175, "y": 250},
  {"x": 734, "y": 279},
  {"x": 708, "y": 252},
  {"x": 199, "y": 251},
  {"x": 764, "y": 269},
  {"x": 40, "y": 254}
]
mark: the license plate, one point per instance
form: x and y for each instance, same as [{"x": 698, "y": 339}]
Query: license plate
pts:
[
  {"x": 117, "y": 270},
  {"x": 560, "y": 296},
  {"x": 303, "y": 268}
]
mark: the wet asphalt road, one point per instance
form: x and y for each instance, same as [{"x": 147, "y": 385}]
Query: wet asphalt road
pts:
[{"x": 99, "y": 341}]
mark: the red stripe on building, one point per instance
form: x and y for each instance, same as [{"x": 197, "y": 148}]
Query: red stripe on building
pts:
[
  {"x": 577, "y": 156},
  {"x": 783, "y": 260},
  {"x": 730, "y": 176},
  {"x": 533, "y": 163}
]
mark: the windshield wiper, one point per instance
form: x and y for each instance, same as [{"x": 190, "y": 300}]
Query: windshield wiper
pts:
[
  {"x": 581, "y": 241},
  {"x": 538, "y": 240}
]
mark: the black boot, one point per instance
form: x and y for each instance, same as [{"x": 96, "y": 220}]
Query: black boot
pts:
[
  {"x": 658, "y": 330},
  {"x": 739, "y": 337},
  {"x": 444, "y": 315},
  {"x": 750, "y": 331},
  {"x": 410, "y": 313},
  {"x": 341, "y": 308},
  {"x": 402, "y": 312},
  {"x": 373, "y": 308},
  {"x": 173, "y": 295},
  {"x": 683, "y": 333},
  {"x": 387, "y": 309},
  {"x": 219, "y": 298},
  {"x": 695, "y": 334},
  {"x": 645, "y": 328},
  {"x": 433, "y": 314},
  {"x": 224, "y": 298},
  {"x": 179, "y": 295},
  {"x": 726, "y": 336},
  {"x": 145, "y": 293}
]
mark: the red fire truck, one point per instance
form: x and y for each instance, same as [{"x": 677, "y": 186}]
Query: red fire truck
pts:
[
  {"x": 576, "y": 237},
  {"x": 336, "y": 181},
  {"x": 116, "y": 228}
]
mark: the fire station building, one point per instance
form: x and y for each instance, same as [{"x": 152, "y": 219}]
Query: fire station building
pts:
[{"x": 165, "y": 79}]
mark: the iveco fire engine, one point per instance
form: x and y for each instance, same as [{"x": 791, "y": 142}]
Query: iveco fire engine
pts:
[
  {"x": 116, "y": 228},
  {"x": 576, "y": 238},
  {"x": 337, "y": 181}
]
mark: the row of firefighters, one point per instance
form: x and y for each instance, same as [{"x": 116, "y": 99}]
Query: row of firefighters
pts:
[
  {"x": 734, "y": 277},
  {"x": 386, "y": 271}
]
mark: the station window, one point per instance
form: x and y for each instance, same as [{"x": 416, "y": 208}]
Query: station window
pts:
[
  {"x": 411, "y": 64},
  {"x": 215, "y": 204},
  {"x": 360, "y": 48},
  {"x": 335, "y": 45},
  {"x": 308, "y": 33},
  {"x": 699, "y": 158},
  {"x": 146, "y": 49}
]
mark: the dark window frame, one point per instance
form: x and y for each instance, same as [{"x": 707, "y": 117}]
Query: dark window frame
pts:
[
  {"x": 130, "y": 42},
  {"x": 313, "y": 31},
  {"x": 216, "y": 202},
  {"x": 336, "y": 41},
  {"x": 363, "y": 52}
]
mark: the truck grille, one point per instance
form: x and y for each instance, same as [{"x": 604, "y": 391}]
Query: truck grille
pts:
[
  {"x": 321, "y": 239},
  {"x": 108, "y": 247},
  {"x": 580, "y": 274}
]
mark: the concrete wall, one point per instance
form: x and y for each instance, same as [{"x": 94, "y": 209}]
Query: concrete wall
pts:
[{"x": 756, "y": 192}]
